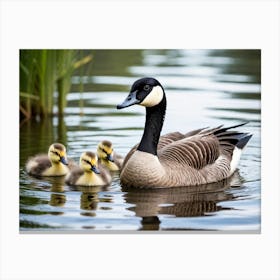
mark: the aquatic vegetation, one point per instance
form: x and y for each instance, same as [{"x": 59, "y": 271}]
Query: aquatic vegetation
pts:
[{"x": 45, "y": 72}]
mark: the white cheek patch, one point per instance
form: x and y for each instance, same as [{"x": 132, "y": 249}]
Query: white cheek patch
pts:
[{"x": 153, "y": 98}]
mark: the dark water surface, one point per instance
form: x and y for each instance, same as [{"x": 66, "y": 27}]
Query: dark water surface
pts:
[{"x": 204, "y": 88}]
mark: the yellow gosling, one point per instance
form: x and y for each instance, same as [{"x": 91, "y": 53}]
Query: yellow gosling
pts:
[
  {"x": 107, "y": 157},
  {"x": 52, "y": 164},
  {"x": 88, "y": 173}
]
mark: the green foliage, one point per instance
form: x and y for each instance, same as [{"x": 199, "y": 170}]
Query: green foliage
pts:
[{"x": 42, "y": 72}]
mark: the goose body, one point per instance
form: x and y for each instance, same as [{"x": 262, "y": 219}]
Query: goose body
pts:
[
  {"x": 88, "y": 173},
  {"x": 198, "y": 157},
  {"x": 52, "y": 164},
  {"x": 108, "y": 157}
]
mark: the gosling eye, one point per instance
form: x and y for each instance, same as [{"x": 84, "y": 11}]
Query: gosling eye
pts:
[
  {"x": 146, "y": 87},
  {"x": 87, "y": 161}
]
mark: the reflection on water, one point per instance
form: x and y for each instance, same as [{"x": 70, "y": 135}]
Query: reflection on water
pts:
[
  {"x": 204, "y": 88},
  {"x": 57, "y": 196},
  {"x": 181, "y": 201}
]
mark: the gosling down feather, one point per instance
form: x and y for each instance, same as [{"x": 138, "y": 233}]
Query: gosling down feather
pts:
[
  {"x": 108, "y": 157},
  {"x": 88, "y": 173},
  {"x": 198, "y": 157},
  {"x": 52, "y": 164}
]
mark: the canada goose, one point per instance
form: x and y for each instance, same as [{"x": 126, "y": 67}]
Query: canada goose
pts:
[
  {"x": 199, "y": 157},
  {"x": 52, "y": 164},
  {"x": 107, "y": 157},
  {"x": 88, "y": 173}
]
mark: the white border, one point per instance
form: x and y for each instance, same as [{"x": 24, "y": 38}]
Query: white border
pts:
[{"x": 135, "y": 24}]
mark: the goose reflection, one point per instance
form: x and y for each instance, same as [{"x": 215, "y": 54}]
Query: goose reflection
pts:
[
  {"x": 89, "y": 198},
  {"x": 58, "y": 198},
  {"x": 179, "y": 202}
]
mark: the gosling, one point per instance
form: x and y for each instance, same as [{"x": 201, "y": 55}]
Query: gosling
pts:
[
  {"x": 52, "y": 164},
  {"x": 107, "y": 157},
  {"x": 88, "y": 173}
]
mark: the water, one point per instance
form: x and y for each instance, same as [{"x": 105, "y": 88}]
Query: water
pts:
[{"x": 204, "y": 88}]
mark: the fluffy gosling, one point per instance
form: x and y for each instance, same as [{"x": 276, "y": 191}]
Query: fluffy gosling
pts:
[
  {"x": 88, "y": 173},
  {"x": 52, "y": 164},
  {"x": 107, "y": 157}
]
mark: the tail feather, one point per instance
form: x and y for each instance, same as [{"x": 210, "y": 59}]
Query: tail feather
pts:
[
  {"x": 228, "y": 139},
  {"x": 219, "y": 131},
  {"x": 239, "y": 140},
  {"x": 236, "y": 138},
  {"x": 243, "y": 141},
  {"x": 232, "y": 142}
]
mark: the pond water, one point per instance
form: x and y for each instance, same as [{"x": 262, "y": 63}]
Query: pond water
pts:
[{"x": 204, "y": 88}]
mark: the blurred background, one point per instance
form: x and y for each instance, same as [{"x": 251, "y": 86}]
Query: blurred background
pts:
[{"x": 70, "y": 96}]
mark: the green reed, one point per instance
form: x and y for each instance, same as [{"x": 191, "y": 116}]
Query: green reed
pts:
[{"x": 42, "y": 73}]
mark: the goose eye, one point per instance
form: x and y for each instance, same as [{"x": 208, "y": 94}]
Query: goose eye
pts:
[{"x": 147, "y": 87}]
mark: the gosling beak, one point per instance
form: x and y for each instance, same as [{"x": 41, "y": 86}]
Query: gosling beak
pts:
[
  {"x": 63, "y": 160},
  {"x": 95, "y": 169},
  {"x": 110, "y": 158},
  {"x": 129, "y": 101}
]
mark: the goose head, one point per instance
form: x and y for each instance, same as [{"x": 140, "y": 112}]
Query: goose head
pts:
[
  {"x": 105, "y": 150},
  {"x": 147, "y": 92},
  {"x": 88, "y": 162},
  {"x": 57, "y": 154}
]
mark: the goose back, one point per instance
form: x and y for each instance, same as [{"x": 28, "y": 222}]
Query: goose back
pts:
[{"x": 199, "y": 157}]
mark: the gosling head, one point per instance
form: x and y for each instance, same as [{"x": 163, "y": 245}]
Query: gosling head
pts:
[
  {"x": 105, "y": 150},
  {"x": 57, "y": 154},
  {"x": 88, "y": 162},
  {"x": 147, "y": 92}
]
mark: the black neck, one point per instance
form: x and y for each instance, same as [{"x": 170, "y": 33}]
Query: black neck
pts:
[{"x": 153, "y": 125}]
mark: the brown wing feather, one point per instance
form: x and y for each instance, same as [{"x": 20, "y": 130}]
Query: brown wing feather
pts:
[
  {"x": 169, "y": 138},
  {"x": 164, "y": 140},
  {"x": 196, "y": 151}
]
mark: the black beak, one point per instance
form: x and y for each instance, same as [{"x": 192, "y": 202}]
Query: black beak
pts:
[
  {"x": 95, "y": 170},
  {"x": 63, "y": 160},
  {"x": 129, "y": 101},
  {"x": 110, "y": 158}
]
